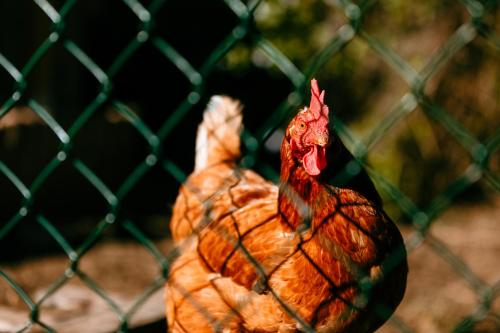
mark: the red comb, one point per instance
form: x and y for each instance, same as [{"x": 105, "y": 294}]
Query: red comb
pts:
[{"x": 317, "y": 105}]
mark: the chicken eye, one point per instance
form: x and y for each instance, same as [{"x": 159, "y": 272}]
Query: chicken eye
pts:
[{"x": 302, "y": 126}]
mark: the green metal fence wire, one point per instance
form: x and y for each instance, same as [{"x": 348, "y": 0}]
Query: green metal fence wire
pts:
[{"x": 415, "y": 96}]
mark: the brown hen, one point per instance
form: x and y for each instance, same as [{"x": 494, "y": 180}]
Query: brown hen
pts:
[{"x": 301, "y": 256}]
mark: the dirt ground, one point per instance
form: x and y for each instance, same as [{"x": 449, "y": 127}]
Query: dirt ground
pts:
[{"x": 439, "y": 295}]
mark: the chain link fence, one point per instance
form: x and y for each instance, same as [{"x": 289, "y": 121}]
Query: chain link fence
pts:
[{"x": 145, "y": 16}]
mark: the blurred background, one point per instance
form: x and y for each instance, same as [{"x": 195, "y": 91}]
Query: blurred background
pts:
[{"x": 99, "y": 105}]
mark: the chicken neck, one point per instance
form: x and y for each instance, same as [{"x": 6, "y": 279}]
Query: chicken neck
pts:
[{"x": 301, "y": 196}]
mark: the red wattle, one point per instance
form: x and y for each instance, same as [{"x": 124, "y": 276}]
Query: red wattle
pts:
[{"x": 315, "y": 160}]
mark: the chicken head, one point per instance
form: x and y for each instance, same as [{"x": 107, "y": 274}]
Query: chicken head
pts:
[{"x": 308, "y": 133}]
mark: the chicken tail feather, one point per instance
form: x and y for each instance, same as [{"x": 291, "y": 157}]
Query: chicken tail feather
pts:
[{"x": 218, "y": 137}]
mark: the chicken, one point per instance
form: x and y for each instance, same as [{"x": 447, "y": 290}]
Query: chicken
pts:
[{"x": 302, "y": 256}]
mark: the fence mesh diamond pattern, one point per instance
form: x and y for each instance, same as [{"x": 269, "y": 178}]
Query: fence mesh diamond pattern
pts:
[{"x": 146, "y": 16}]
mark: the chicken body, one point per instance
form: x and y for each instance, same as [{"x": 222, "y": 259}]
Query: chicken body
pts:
[{"x": 255, "y": 257}]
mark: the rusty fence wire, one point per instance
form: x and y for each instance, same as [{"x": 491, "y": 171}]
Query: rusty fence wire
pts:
[{"x": 145, "y": 17}]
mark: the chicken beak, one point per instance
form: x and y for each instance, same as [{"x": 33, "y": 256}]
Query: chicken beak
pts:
[{"x": 321, "y": 140}]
